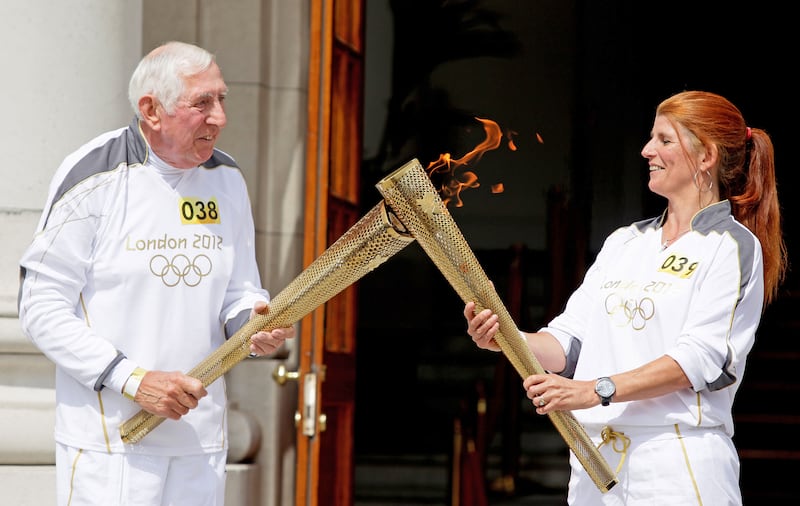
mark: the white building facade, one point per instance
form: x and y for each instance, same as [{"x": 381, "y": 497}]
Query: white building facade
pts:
[{"x": 66, "y": 81}]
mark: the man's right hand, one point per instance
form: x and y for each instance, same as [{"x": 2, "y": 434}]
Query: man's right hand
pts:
[{"x": 169, "y": 394}]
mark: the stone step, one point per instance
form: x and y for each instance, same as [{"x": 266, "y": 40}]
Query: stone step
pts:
[
  {"x": 401, "y": 479},
  {"x": 422, "y": 479}
]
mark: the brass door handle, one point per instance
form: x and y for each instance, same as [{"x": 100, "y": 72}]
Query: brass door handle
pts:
[
  {"x": 281, "y": 375},
  {"x": 307, "y": 417}
]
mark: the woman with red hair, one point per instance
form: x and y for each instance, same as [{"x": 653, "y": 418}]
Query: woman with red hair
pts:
[{"x": 650, "y": 350}]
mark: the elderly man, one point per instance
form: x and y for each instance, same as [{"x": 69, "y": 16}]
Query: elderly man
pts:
[{"x": 143, "y": 263}]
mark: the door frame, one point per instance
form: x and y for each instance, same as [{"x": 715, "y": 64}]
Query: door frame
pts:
[{"x": 324, "y": 431}]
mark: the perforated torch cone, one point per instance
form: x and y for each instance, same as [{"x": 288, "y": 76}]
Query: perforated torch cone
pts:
[
  {"x": 412, "y": 196},
  {"x": 367, "y": 244}
]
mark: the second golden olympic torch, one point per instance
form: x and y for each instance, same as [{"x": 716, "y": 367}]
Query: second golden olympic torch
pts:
[
  {"x": 367, "y": 244},
  {"x": 411, "y": 194}
]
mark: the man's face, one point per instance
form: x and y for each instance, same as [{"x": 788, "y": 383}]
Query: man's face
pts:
[{"x": 186, "y": 138}]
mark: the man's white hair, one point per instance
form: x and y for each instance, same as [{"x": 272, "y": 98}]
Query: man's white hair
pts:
[{"x": 161, "y": 73}]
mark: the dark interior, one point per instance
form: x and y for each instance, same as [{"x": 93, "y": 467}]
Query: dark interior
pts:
[{"x": 417, "y": 371}]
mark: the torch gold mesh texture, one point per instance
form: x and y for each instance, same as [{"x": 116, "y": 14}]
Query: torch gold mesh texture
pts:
[
  {"x": 367, "y": 244},
  {"x": 412, "y": 196}
]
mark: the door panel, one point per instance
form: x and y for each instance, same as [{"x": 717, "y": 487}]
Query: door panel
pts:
[{"x": 324, "y": 473}]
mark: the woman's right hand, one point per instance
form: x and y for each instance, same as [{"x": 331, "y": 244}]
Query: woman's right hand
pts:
[{"x": 482, "y": 327}]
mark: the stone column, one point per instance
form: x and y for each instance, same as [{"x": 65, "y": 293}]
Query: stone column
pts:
[{"x": 65, "y": 81}]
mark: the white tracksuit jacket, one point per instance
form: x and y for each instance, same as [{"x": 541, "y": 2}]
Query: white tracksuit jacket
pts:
[
  {"x": 699, "y": 300},
  {"x": 135, "y": 263}
]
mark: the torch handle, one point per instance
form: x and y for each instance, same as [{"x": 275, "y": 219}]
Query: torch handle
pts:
[
  {"x": 376, "y": 237},
  {"x": 220, "y": 361},
  {"x": 410, "y": 193}
]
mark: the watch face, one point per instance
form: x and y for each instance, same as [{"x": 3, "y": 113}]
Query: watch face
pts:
[{"x": 605, "y": 387}]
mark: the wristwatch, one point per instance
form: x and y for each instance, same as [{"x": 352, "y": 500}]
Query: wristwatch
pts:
[{"x": 606, "y": 389}]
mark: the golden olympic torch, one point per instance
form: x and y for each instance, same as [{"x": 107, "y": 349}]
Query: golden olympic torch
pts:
[
  {"x": 367, "y": 244},
  {"x": 411, "y": 194}
]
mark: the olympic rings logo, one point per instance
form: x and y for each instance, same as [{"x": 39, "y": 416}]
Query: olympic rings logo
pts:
[
  {"x": 180, "y": 268},
  {"x": 630, "y": 312}
]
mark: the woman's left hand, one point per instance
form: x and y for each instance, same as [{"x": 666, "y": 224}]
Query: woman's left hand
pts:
[{"x": 551, "y": 392}]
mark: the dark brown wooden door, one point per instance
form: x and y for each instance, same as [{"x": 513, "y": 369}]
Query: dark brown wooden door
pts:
[{"x": 326, "y": 398}]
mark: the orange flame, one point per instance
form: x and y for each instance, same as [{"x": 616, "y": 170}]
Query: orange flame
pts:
[
  {"x": 445, "y": 167},
  {"x": 509, "y": 135},
  {"x": 453, "y": 184}
]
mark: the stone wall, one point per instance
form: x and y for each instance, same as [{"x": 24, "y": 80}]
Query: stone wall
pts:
[{"x": 68, "y": 82}]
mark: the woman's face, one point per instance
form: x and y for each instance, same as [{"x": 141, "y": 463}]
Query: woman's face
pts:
[{"x": 669, "y": 157}]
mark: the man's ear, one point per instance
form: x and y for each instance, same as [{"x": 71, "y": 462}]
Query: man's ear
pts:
[{"x": 148, "y": 110}]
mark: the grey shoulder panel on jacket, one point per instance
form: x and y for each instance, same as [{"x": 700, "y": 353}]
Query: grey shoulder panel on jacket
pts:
[
  {"x": 219, "y": 158},
  {"x": 717, "y": 218},
  {"x": 128, "y": 147},
  {"x": 643, "y": 225}
]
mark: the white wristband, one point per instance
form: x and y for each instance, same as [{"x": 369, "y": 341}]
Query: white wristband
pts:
[{"x": 133, "y": 382}]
